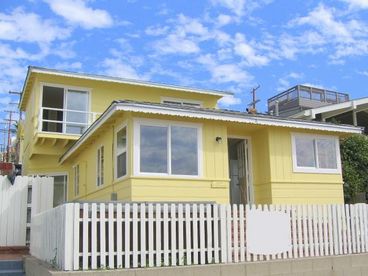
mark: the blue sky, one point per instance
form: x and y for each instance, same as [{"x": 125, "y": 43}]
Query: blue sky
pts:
[{"x": 230, "y": 45}]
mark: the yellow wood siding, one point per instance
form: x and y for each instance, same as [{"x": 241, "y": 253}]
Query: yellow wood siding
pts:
[{"x": 290, "y": 187}]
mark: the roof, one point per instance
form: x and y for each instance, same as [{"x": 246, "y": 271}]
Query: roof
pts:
[
  {"x": 332, "y": 110},
  {"x": 205, "y": 113},
  {"x": 35, "y": 69}
]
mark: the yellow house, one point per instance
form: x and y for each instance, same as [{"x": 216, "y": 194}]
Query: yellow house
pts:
[{"x": 106, "y": 138}]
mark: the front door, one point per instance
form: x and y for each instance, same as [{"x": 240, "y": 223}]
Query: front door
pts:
[{"x": 241, "y": 191}]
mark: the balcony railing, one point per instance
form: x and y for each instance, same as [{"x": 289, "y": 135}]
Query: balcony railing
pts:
[{"x": 66, "y": 121}]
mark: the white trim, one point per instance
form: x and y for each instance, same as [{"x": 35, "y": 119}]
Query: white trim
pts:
[
  {"x": 116, "y": 178},
  {"x": 316, "y": 169},
  {"x": 65, "y": 90},
  {"x": 166, "y": 123},
  {"x": 182, "y": 102},
  {"x": 76, "y": 167},
  {"x": 200, "y": 114},
  {"x": 250, "y": 165},
  {"x": 102, "y": 167},
  {"x": 122, "y": 80}
]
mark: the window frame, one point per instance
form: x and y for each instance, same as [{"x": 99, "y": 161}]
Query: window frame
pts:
[
  {"x": 316, "y": 169},
  {"x": 76, "y": 168},
  {"x": 166, "y": 123},
  {"x": 66, "y": 88},
  {"x": 123, "y": 125},
  {"x": 100, "y": 166}
]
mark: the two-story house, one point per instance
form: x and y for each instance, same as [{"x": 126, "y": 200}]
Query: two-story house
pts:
[{"x": 106, "y": 138}]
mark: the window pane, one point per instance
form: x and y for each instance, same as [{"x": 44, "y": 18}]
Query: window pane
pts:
[
  {"x": 77, "y": 100},
  {"x": 121, "y": 165},
  {"x": 327, "y": 154},
  {"x": 121, "y": 140},
  {"x": 59, "y": 190},
  {"x": 305, "y": 152},
  {"x": 153, "y": 149},
  {"x": 184, "y": 151}
]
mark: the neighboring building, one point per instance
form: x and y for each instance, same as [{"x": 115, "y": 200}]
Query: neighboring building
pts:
[
  {"x": 354, "y": 112},
  {"x": 310, "y": 103},
  {"x": 108, "y": 138},
  {"x": 301, "y": 97}
]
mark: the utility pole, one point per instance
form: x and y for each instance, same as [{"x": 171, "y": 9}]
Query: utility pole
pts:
[
  {"x": 10, "y": 121},
  {"x": 20, "y": 95},
  {"x": 254, "y": 98}
]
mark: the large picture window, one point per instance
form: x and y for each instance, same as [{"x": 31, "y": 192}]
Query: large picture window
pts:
[
  {"x": 167, "y": 148},
  {"x": 319, "y": 154},
  {"x": 121, "y": 152}
]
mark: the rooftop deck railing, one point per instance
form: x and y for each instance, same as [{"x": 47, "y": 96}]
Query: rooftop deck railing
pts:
[{"x": 309, "y": 93}]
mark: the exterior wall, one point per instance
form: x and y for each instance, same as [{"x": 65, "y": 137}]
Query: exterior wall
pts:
[
  {"x": 212, "y": 186},
  {"x": 271, "y": 167},
  {"x": 290, "y": 187},
  {"x": 101, "y": 96}
]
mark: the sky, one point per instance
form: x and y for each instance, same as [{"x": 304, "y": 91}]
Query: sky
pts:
[{"x": 231, "y": 45}]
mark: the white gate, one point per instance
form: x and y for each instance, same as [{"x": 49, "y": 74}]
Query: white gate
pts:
[{"x": 27, "y": 197}]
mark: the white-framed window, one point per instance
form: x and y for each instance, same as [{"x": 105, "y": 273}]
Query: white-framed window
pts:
[
  {"x": 64, "y": 109},
  {"x": 167, "y": 148},
  {"x": 76, "y": 179},
  {"x": 121, "y": 152},
  {"x": 100, "y": 166},
  {"x": 316, "y": 153},
  {"x": 181, "y": 102}
]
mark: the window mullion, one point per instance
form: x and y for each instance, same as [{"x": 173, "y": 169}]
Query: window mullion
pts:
[{"x": 169, "y": 149}]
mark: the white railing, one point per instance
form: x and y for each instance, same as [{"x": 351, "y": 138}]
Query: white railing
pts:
[
  {"x": 115, "y": 235},
  {"x": 83, "y": 121}
]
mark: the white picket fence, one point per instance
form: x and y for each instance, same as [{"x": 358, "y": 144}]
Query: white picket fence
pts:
[
  {"x": 18, "y": 203},
  {"x": 114, "y": 235}
]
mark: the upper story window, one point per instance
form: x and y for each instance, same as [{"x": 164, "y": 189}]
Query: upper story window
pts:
[
  {"x": 121, "y": 152},
  {"x": 181, "y": 102},
  {"x": 100, "y": 166},
  {"x": 166, "y": 148},
  {"x": 316, "y": 154},
  {"x": 64, "y": 109}
]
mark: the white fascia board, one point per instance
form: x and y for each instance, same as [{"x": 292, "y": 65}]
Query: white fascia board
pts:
[
  {"x": 127, "y": 81},
  {"x": 240, "y": 119}
]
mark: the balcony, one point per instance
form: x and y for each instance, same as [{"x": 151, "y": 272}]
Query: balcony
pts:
[{"x": 65, "y": 121}]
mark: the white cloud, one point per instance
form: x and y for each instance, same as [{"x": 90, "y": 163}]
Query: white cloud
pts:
[
  {"x": 21, "y": 26},
  {"x": 248, "y": 53},
  {"x": 357, "y": 4},
  {"x": 118, "y": 68},
  {"x": 229, "y": 100},
  {"x": 224, "y": 19},
  {"x": 76, "y": 12},
  {"x": 176, "y": 44},
  {"x": 68, "y": 65},
  {"x": 323, "y": 19},
  {"x": 156, "y": 30},
  {"x": 224, "y": 73},
  {"x": 235, "y": 6}
]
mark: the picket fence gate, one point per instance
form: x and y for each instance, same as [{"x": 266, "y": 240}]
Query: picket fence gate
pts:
[
  {"x": 85, "y": 236},
  {"x": 19, "y": 201}
]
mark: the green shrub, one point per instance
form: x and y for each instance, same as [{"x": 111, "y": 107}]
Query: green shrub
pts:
[{"x": 354, "y": 155}]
